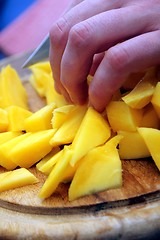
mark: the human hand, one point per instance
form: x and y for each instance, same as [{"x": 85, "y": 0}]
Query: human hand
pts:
[{"x": 109, "y": 39}]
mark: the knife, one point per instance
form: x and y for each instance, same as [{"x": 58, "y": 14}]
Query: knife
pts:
[{"x": 41, "y": 53}]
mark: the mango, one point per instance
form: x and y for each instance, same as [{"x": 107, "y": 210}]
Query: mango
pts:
[
  {"x": 142, "y": 93},
  {"x": 47, "y": 163},
  {"x": 12, "y": 92},
  {"x": 43, "y": 83},
  {"x": 150, "y": 117},
  {"x": 6, "y": 136},
  {"x": 151, "y": 138},
  {"x": 57, "y": 175},
  {"x": 132, "y": 146},
  {"x": 67, "y": 131},
  {"x": 122, "y": 117},
  {"x": 40, "y": 120},
  {"x": 32, "y": 149},
  {"x": 99, "y": 170},
  {"x": 93, "y": 131},
  {"x": 16, "y": 118},
  {"x": 156, "y": 99},
  {"x": 60, "y": 115},
  {"x": 6, "y": 148},
  {"x": 17, "y": 178},
  {"x": 3, "y": 120}
]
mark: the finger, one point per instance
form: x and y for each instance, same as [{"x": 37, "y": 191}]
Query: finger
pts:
[
  {"x": 107, "y": 29},
  {"x": 132, "y": 55},
  {"x": 60, "y": 30}
]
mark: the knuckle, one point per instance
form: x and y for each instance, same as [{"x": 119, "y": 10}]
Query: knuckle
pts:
[
  {"x": 58, "y": 32},
  {"x": 80, "y": 35},
  {"x": 118, "y": 58}
]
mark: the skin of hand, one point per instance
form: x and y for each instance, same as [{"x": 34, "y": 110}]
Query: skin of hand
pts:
[{"x": 107, "y": 38}]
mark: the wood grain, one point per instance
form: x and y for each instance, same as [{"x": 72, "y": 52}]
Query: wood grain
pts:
[{"x": 104, "y": 214}]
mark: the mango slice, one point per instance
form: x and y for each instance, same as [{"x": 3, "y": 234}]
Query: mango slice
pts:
[
  {"x": 3, "y": 120},
  {"x": 6, "y": 147},
  {"x": 47, "y": 163},
  {"x": 12, "y": 91},
  {"x": 156, "y": 99},
  {"x": 122, "y": 117},
  {"x": 151, "y": 137},
  {"x": 31, "y": 149},
  {"x": 93, "y": 131},
  {"x": 60, "y": 114},
  {"x": 132, "y": 146},
  {"x": 6, "y": 136},
  {"x": 40, "y": 120},
  {"x": 142, "y": 93},
  {"x": 99, "y": 170},
  {"x": 57, "y": 175},
  {"x": 43, "y": 83},
  {"x": 17, "y": 178},
  {"x": 16, "y": 117},
  {"x": 150, "y": 118},
  {"x": 66, "y": 133}
]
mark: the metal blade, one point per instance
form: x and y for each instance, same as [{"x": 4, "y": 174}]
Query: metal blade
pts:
[{"x": 41, "y": 53}]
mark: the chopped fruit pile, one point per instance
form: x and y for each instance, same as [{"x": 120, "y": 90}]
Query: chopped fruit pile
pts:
[{"x": 71, "y": 143}]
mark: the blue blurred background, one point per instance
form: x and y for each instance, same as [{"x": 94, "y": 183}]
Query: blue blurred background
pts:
[{"x": 10, "y": 10}]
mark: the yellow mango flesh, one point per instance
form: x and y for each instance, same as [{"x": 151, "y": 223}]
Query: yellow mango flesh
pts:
[
  {"x": 3, "y": 120},
  {"x": 99, "y": 170},
  {"x": 6, "y": 148},
  {"x": 132, "y": 146},
  {"x": 150, "y": 118},
  {"x": 32, "y": 149},
  {"x": 56, "y": 176},
  {"x": 40, "y": 120},
  {"x": 12, "y": 91},
  {"x": 151, "y": 137},
  {"x": 122, "y": 117},
  {"x": 16, "y": 117},
  {"x": 93, "y": 131},
  {"x": 43, "y": 83},
  {"x": 60, "y": 115},
  {"x": 47, "y": 163},
  {"x": 156, "y": 99},
  {"x": 142, "y": 93},
  {"x": 17, "y": 178},
  {"x": 6, "y": 136},
  {"x": 66, "y": 133}
]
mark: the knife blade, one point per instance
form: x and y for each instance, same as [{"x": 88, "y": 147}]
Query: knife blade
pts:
[{"x": 41, "y": 53}]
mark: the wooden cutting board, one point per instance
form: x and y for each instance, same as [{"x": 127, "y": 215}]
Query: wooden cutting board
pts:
[{"x": 132, "y": 211}]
